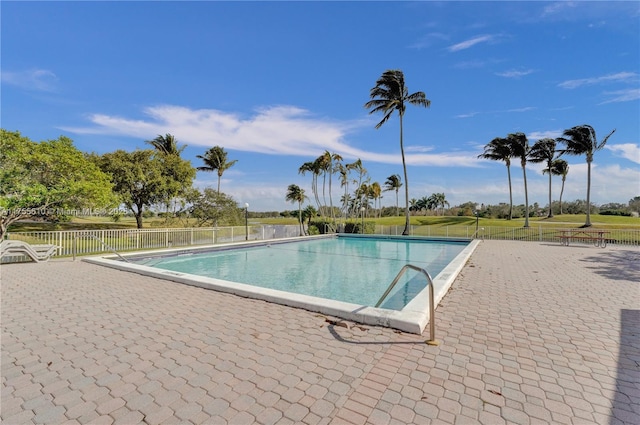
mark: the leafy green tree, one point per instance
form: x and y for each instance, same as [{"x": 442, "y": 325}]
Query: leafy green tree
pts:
[
  {"x": 47, "y": 179},
  {"x": 520, "y": 149},
  {"x": 143, "y": 178},
  {"x": 215, "y": 159},
  {"x": 559, "y": 167},
  {"x": 581, "y": 140},
  {"x": 544, "y": 150},
  {"x": 394, "y": 183},
  {"x": 296, "y": 194},
  {"x": 390, "y": 94},
  {"x": 212, "y": 208},
  {"x": 499, "y": 149}
]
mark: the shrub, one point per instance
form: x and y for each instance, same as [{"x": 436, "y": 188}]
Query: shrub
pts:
[{"x": 356, "y": 227}]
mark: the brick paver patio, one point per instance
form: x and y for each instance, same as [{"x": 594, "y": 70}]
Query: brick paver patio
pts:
[{"x": 530, "y": 333}]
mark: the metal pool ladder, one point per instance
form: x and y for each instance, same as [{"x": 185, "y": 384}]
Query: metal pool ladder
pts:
[{"x": 432, "y": 311}]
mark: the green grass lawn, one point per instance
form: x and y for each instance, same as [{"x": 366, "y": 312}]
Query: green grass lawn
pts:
[{"x": 559, "y": 221}]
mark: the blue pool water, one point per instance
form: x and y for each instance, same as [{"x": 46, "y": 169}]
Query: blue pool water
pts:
[{"x": 350, "y": 269}]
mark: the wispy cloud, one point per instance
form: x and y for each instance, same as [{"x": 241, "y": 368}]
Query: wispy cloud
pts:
[
  {"x": 277, "y": 130},
  {"x": 428, "y": 40},
  {"x": 473, "y": 114},
  {"x": 468, "y": 115},
  {"x": 556, "y": 8},
  {"x": 547, "y": 134},
  {"x": 628, "y": 151},
  {"x": 622, "y": 95},
  {"x": 514, "y": 73},
  {"x": 34, "y": 79},
  {"x": 621, "y": 77},
  {"x": 524, "y": 109},
  {"x": 471, "y": 42}
]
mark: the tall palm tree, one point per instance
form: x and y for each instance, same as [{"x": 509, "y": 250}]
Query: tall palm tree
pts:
[
  {"x": 362, "y": 173},
  {"x": 323, "y": 166},
  {"x": 520, "y": 149},
  {"x": 581, "y": 140},
  {"x": 390, "y": 94},
  {"x": 166, "y": 144},
  {"x": 499, "y": 149},
  {"x": 335, "y": 164},
  {"x": 544, "y": 150},
  {"x": 296, "y": 194},
  {"x": 394, "y": 183},
  {"x": 559, "y": 167},
  {"x": 215, "y": 159},
  {"x": 375, "y": 192}
]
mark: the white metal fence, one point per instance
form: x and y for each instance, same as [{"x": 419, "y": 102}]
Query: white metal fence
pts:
[
  {"x": 629, "y": 237},
  {"x": 88, "y": 242}
]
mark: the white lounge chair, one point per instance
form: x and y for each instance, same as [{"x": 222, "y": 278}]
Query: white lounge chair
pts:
[{"x": 37, "y": 253}]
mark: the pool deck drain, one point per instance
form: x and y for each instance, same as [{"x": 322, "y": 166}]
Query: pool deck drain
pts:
[{"x": 530, "y": 333}]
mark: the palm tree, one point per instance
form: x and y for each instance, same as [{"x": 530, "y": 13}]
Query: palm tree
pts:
[
  {"x": 520, "y": 149},
  {"x": 541, "y": 151},
  {"x": 375, "y": 193},
  {"x": 559, "y": 167},
  {"x": 581, "y": 140},
  {"x": 499, "y": 149},
  {"x": 335, "y": 165},
  {"x": 389, "y": 95},
  {"x": 215, "y": 159},
  {"x": 362, "y": 172},
  {"x": 394, "y": 183},
  {"x": 296, "y": 194},
  {"x": 166, "y": 144},
  {"x": 439, "y": 200}
]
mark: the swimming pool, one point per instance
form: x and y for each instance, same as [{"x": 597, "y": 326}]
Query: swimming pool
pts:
[{"x": 342, "y": 276}]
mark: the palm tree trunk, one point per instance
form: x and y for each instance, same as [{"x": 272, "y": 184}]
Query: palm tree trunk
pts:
[
  {"x": 561, "y": 191},
  {"x": 406, "y": 183},
  {"x": 510, "y": 193},
  {"x": 397, "y": 208},
  {"x": 526, "y": 197},
  {"x": 550, "y": 210},
  {"x": 588, "y": 221},
  {"x": 219, "y": 176},
  {"x": 300, "y": 217}
]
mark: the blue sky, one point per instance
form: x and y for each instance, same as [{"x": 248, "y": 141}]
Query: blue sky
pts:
[{"x": 277, "y": 83}]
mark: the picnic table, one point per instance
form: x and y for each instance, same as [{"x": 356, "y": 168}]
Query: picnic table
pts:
[{"x": 597, "y": 236}]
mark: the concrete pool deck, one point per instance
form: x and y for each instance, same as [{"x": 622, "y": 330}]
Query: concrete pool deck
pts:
[{"x": 529, "y": 333}]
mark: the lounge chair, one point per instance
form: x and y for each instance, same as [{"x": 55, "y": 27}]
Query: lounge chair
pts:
[{"x": 37, "y": 253}]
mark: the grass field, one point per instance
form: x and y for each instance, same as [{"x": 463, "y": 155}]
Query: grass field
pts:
[{"x": 566, "y": 220}]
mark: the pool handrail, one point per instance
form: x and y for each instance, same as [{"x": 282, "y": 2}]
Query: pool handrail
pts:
[
  {"x": 87, "y": 235},
  {"x": 432, "y": 311}
]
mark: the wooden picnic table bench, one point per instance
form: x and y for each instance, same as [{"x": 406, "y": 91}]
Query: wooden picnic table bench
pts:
[{"x": 597, "y": 236}]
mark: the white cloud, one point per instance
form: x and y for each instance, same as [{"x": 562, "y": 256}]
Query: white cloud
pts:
[
  {"x": 524, "y": 109},
  {"x": 34, "y": 79},
  {"x": 471, "y": 42},
  {"x": 628, "y": 151},
  {"x": 558, "y": 8},
  {"x": 278, "y": 130},
  {"x": 514, "y": 73},
  {"x": 623, "y": 77},
  {"x": 548, "y": 134},
  {"x": 622, "y": 95}
]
